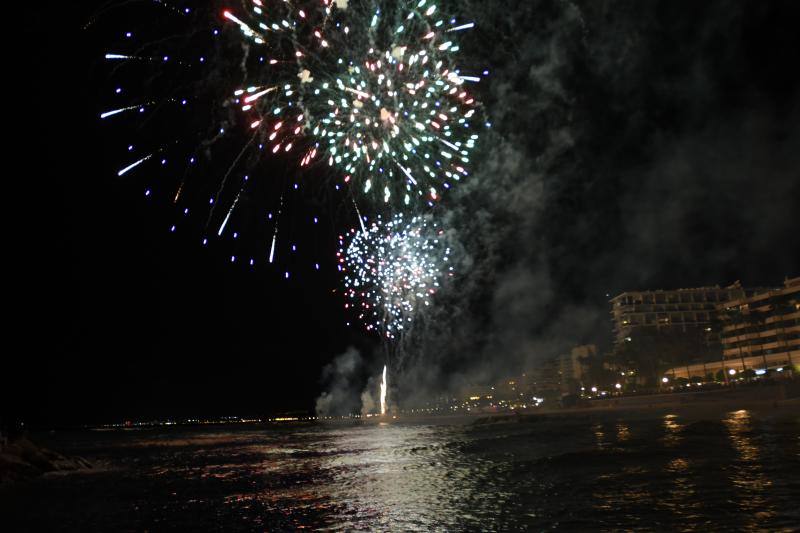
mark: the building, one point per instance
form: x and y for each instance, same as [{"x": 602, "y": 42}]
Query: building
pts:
[
  {"x": 667, "y": 329},
  {"x": 544, "y": 378},
  {"x": 763, "y": 330},
  {"x": 574, "y": 367},
  {"x": 557, "y": 375},
  {"x": 680, "y": 310},
  {"x": 758, "y": 332}
]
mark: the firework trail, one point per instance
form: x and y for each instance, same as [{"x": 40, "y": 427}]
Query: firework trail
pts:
[{"x": 384, "y": 387}]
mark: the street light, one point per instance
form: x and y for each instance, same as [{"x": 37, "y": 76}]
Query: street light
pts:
[
  {"x": 665, "y": 379},
  {"x": 732, "y": 371}
]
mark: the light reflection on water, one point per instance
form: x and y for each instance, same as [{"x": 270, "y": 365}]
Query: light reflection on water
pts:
[
  {"x": 386, "y": 476},
  {"x": 747, "y": 475},
  {"x": 623, "y": 432},
  {"x": 580, "y": 473},
  {"x": 672, "y": 431},
  {"x": 399, "y": 472}
]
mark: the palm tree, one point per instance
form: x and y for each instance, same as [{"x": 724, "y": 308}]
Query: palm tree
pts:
[
  {"x": 782, "y": 309},
  {"x": 760, "y": 322},
  {"x": 734, "y": 317}
]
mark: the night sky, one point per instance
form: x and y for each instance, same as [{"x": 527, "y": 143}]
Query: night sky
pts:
[{"x": 636, "y": 145}]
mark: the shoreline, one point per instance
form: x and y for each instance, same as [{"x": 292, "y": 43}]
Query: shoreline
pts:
[
  {"x": 770, "y": 400},
  {"x": 774, "y": 398},
  {"x": 692, "y": 411}
]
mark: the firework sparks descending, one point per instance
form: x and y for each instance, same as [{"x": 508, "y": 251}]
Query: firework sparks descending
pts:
[
  {"x": 133, "y": 165},
  {"x": 371, "y": 88},
  {"x": 392, "y": 271}
]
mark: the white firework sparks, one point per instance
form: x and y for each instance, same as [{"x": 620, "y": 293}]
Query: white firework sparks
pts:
[
  {"x": 392, "y": 270},
  {"x": 369, "y": 87}
]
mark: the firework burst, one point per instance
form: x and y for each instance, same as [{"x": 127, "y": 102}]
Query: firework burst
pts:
[
  {"x": 391, "y": 271},
  {"x": 368, "y": 91},
  {"x": 370, "y": 88}
]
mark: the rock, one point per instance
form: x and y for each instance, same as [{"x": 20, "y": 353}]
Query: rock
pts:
[{"x": 22, "y": 459}]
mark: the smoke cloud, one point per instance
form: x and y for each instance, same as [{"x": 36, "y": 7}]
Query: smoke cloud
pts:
[
  {"x": 351, "y": 386},
  {"x": 342, "y": 379},
  {"x": 628, "y": 150}
]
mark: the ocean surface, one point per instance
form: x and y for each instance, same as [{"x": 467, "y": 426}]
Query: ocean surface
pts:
[{"x": 654, "y": 472}]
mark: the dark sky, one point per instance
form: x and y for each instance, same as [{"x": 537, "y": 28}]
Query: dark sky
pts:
[{"x": 636, "y": 145}]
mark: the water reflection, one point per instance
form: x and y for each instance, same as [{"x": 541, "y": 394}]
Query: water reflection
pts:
[
  {"x": 388, "y": 476},
  {"x": 623, "y": 432},
  {"x": 672, "y": 431},
  {"x": 623, "y": 488},
  {"x": 682, "y": 499},
  {"x": 403, "y": 470},
  {"x": 599, "y": 436},
  {"x": 746, "y": 473},
  {"x": 579, "y": 473}
]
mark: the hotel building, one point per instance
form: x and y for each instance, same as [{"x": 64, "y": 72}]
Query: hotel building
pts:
[
  {"x": 759, "y": 332},
  {"x": 637, "y": 312},
  {"x": 763, "y": 330}
]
